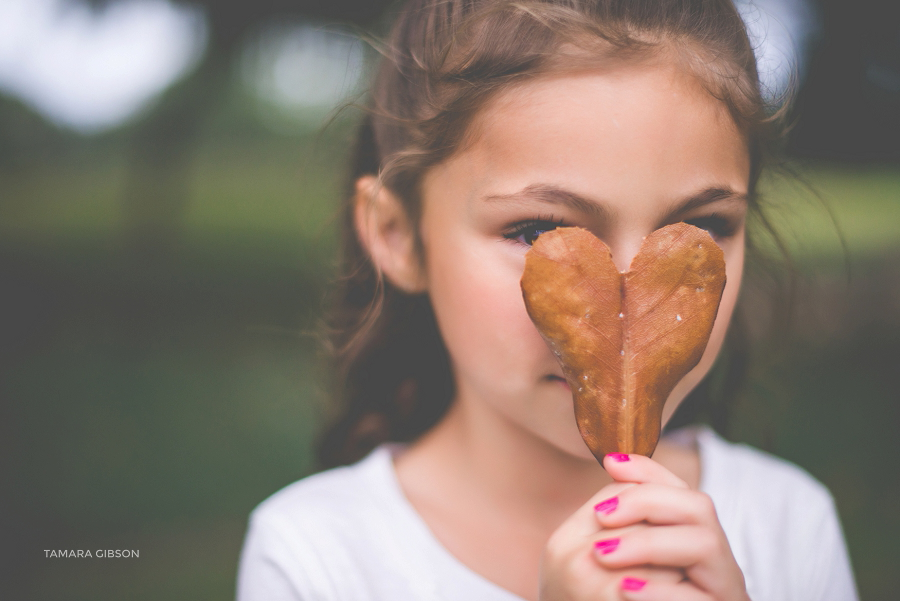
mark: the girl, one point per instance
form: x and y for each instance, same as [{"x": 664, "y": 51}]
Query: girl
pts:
[{"x": 491, "y": 122}]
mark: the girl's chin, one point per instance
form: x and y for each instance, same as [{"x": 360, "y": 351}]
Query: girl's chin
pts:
[{"x": 571, "y": 443}]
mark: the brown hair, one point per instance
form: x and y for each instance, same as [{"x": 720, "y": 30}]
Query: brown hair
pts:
[{"x": 443, "y": 61}]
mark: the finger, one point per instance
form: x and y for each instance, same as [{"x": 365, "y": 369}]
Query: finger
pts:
[
  {"x": 639, "y": 589},
  {"x": 613, "y": 587},
  {"x": 656, "y": 504},
  {"x": 702, "y": 552},
  {"x": 637, "y": 468},
  {"x": 673, "y": 546},
  {"x": 583, "y": 523},
  {"x": 658, "y": 575}
]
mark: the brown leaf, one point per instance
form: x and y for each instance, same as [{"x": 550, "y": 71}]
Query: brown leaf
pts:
[{"x": 624, "y": 340}]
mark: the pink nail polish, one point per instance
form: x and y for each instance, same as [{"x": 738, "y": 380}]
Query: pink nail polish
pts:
[
  {"x": 633, "y": 584},
  {"x": 607, "y": 506},
  {"x": 607, "y": 546},
  {"x": 620, "y": 457}
]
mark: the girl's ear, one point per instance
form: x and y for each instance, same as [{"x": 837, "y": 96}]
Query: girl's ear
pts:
[{"x": 385, "y": 231}]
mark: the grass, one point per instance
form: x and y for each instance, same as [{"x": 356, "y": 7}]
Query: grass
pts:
[{"x": 857, "y": 207}]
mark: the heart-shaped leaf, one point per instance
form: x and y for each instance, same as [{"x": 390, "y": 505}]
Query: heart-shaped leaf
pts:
[{"x": 624, "y": 340}]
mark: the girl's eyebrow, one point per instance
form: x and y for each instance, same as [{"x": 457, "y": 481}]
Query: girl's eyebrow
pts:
[
  {"x": 550, "y": 194},
  {"x": 705, "y": 197}
]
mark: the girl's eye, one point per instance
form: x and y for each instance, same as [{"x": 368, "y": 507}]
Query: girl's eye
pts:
[
  {"x": 718, "y": 226},
  {"x": 526, "y": 232}
]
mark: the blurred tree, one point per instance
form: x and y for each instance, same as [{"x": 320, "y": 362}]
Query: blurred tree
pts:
[
  {"x": 161, "y": 144},
  {"x": 849, "y": 104}
]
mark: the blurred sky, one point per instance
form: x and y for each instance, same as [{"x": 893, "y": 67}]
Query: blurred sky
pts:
[
  {"x": 299, "y": 71},
  {"x": 781, "y": 31},
  {"x": 91, "y": 69}
]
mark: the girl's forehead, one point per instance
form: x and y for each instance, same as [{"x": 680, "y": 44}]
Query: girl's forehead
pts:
[
  {"x": 621, "y": 130},
  {"x": 642, "y": 91}
]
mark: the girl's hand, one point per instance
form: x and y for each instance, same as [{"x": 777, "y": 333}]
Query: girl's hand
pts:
[{"x": 646, "y": 537}]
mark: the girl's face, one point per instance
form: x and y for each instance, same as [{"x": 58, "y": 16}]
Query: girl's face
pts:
[{"x": 620, "y": 153}]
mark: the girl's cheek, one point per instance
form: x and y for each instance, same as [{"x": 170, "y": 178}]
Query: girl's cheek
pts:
[
  {"x": 495, "y": 315},
  {"x": 478, "y": 302}
]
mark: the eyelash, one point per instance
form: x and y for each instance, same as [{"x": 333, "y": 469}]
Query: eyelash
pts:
[
  {"x": 717, "y": 225},
  {"x": 530, "y": 229}
]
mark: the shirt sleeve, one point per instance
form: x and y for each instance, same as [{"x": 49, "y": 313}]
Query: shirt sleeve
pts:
[
  {"x": 829, "y": 573},
  {"x": 273, "y": 569},
  {"x": 261, "y": 573},
  {"x": 780, "y": 521}
]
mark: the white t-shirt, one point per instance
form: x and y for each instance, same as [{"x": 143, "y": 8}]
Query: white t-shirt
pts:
[{"x": 350, "y": 534}]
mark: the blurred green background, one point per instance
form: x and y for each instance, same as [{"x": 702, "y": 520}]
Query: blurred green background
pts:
[{"x": 163, "y": 283}]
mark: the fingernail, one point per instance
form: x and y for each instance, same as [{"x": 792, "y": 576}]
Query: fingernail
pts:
[
  {"x": 607, "y": 546},
  {"x": 633, "y": 584},
  {"x": 607, "y": 506},
  {"x": 620, "y": 457}
]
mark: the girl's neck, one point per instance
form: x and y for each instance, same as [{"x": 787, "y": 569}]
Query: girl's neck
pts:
[
  {"x": 474, "y": 453},
  {"x": 481, "y": 454}
]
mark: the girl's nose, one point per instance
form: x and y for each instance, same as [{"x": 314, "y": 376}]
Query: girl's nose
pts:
[{"x": 624, "y": 249}]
